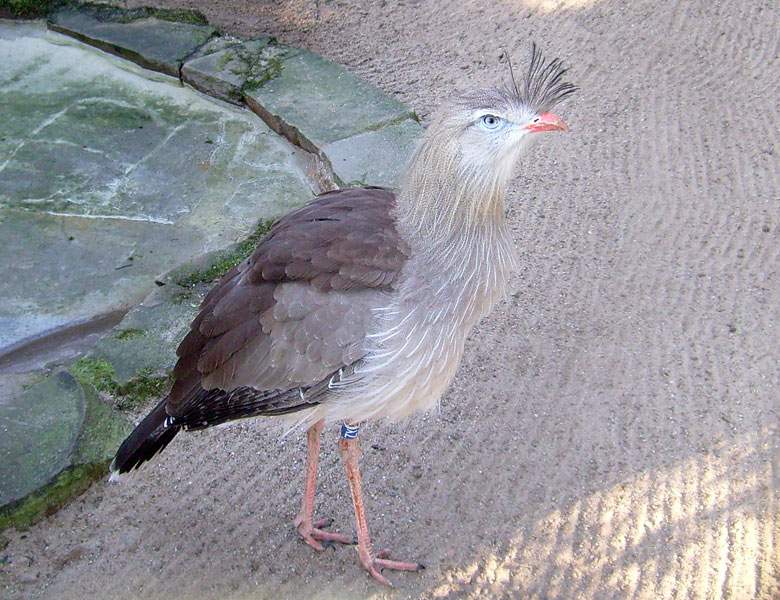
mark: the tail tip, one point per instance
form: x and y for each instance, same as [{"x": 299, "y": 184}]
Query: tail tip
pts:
[{"x": 114, "y": 475}]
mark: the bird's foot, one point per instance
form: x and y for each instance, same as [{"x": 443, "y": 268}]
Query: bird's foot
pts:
[
  {"x": 375, "y": 563},
  {"x": 311, "y": 532}
]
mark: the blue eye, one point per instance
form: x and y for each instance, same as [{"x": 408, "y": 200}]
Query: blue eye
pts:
[{"x": 490, "y": 122}]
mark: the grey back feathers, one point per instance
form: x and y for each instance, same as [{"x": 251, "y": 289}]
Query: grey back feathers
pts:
[{"x": 298, "y": 309}]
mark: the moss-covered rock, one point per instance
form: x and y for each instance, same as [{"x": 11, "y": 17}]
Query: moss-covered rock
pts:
[
  {"x": 29, "y": 9},
  {"x": 154, "y": 43},
  {"x": 99, "y": 374},
  {"x": 234, "y": 67},
  {"x": 57, "y": 437},
  {"x": 115, "y": 14},
  {"x": 45, "y": 501}
]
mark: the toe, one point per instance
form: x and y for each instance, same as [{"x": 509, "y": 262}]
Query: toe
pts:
[{"x": 379, "y": 577}]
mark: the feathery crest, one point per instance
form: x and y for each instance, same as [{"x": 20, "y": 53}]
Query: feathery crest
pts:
[{"x": 542, "y": 85}]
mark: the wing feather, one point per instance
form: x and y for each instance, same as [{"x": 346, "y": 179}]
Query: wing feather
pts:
[{"x": 299, "y": 308}]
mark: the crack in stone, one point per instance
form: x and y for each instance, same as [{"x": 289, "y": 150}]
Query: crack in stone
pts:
[
  {"x": 113, "y": 217},
  {"x": 219, "y": 143},
  {"x": 73, "y": 144},
  {"x": 154, "y": 151}
]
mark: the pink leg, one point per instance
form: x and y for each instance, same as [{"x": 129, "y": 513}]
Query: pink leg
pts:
[
  {"x": 374, "y": 563},
  {"x": 309, "y": 530}
]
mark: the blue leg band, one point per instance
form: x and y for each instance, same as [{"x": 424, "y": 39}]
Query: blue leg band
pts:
[{"x": 349, "y": 432}]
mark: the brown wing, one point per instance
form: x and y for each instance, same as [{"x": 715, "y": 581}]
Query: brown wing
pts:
[{"x": 299, "y": 308}]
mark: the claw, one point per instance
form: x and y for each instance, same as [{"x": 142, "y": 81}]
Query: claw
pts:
[
  {"x": 313, "y": 534},
  {"x": 326, "y": 522},
  {"x": 379, "y": 562}
]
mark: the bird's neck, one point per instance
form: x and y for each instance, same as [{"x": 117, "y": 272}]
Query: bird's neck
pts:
[{"x": 443, "y": 200}]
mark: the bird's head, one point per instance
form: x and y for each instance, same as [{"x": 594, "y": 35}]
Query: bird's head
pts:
[
  {"x": 486, "y": 131},
  {"x": 459, "y": 174}
]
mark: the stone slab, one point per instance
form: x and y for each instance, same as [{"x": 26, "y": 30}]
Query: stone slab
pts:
[
  {"x": 38, "y": 432},
  {"x": 153, "y": 43},
  {"x": 315, "y": 102},
  {"x": 108, "y": 178},
  {"x": 24, "y": 29},
  {"x": 376, "y": 157},
  {"x": 224, "y": 73},
  {"x": 53, "y": 436}
]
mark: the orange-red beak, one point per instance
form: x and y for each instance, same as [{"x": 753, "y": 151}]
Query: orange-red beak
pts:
[{"x": 547, "y": 122}]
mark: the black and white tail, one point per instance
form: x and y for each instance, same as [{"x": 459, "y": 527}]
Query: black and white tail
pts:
[
  {"x": 206, "y": 408},
  {"x": 149, "y": 437}
]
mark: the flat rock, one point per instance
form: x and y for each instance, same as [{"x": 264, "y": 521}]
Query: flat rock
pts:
[
  {"x": 53, "y": 426},
  {"x": 376, "y": 157},
  {"x": 39, "y": 432},
  {"x": 150, "y": 42},
  {"x": 110, "y": 178},
  {"x": 315, "y": 102}
]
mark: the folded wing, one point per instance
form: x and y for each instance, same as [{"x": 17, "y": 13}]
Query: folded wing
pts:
[{"x": 296, "y": 311}]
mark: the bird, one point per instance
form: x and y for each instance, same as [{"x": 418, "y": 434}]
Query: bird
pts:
[{"x": 357, "y": 305}]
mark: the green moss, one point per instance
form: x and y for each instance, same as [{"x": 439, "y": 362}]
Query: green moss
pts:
[
  {"x": 391, "y": 123},
  {"x": 99, "y": 373},
  {"x": 28, "y": 9},
  {"x": 128, "y": 334},
  {"x": 258, "y": 60},
  {"x": 263, "y": 71},
  {"x": 223, "y": 263},
  {"x": 226, "y": 260},
  {"x": 180, "y": 15},
  {"x": 69, "y": 483},
  {"x": 105, "y": 12},
  {"x": 225, "y": 59},
  {"x": 36, "y": 9},
  {"x": 182, "y": 297},
  {"x": 102, "y": 432},
  {"x": 144, "y": 385}
]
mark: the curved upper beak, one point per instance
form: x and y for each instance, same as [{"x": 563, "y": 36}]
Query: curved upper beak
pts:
[{"x": 547, "y": 122}]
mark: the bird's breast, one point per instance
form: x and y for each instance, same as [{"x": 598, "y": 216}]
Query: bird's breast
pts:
[{"x": 418, "y": 339}]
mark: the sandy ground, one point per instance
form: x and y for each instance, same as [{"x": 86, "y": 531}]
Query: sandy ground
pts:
[{"x": 613, "y": 431}]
